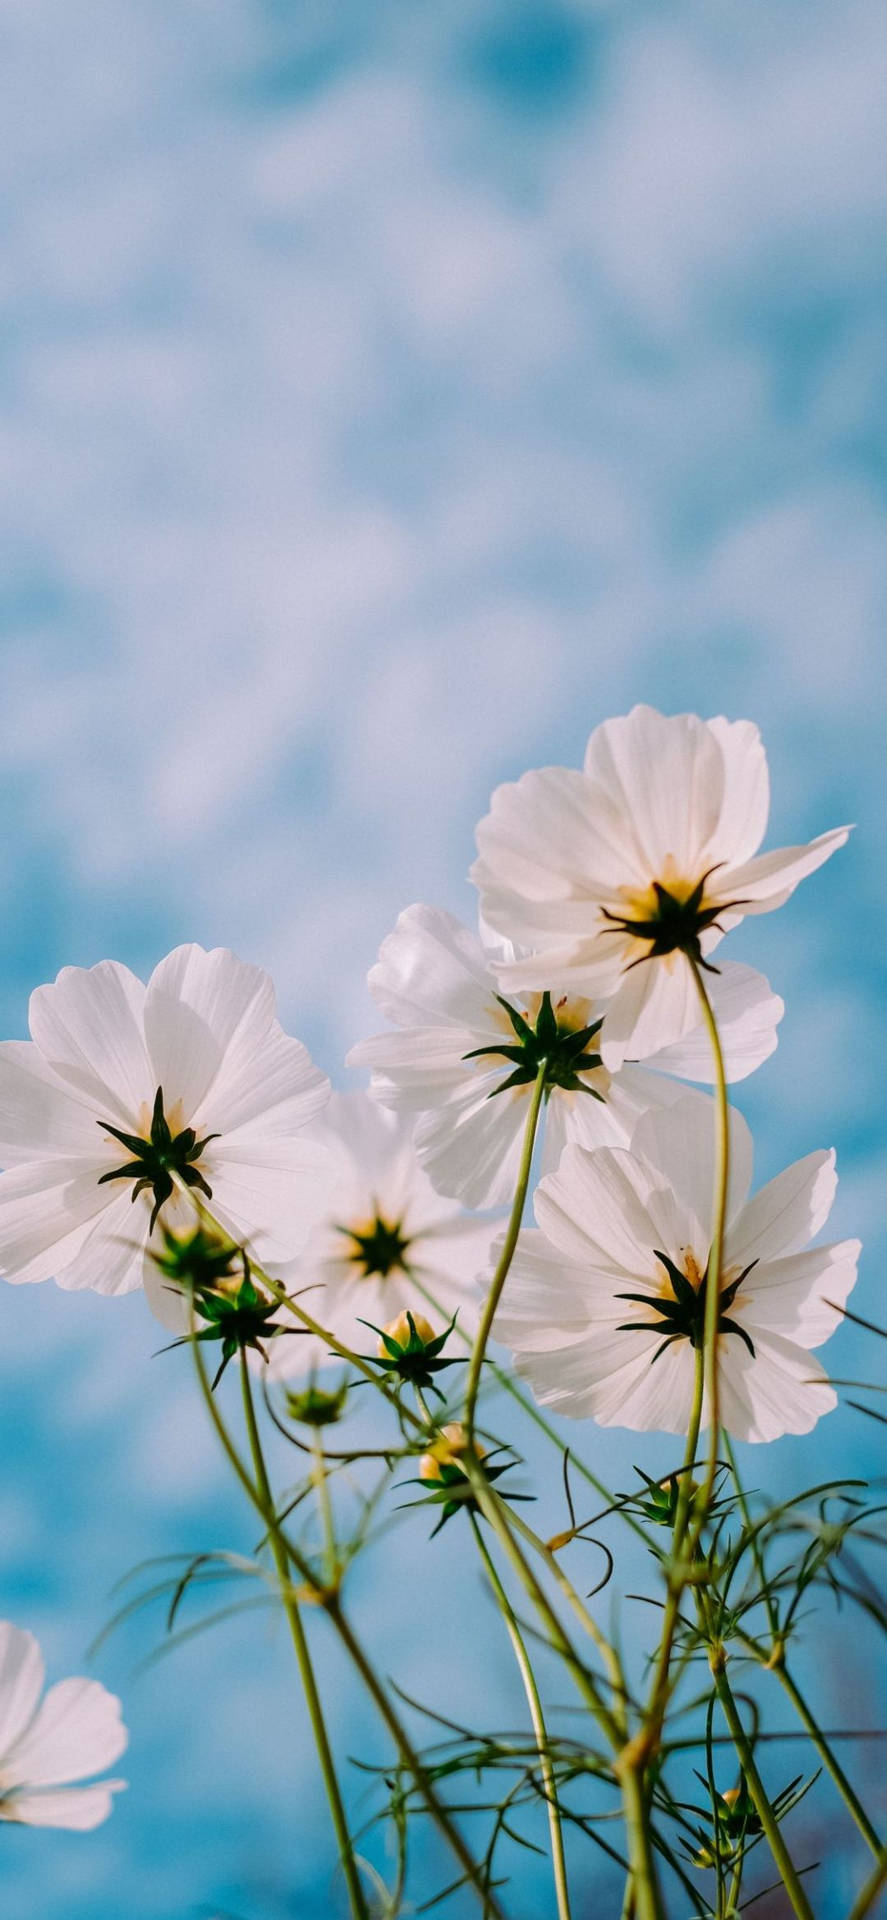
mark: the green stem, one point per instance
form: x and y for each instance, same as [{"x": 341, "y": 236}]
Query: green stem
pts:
[
  {"x": 412, "y": 1762},
  {"x": 607, "y": 1652},
  {"x": 716, "y": 1250},
  {"x": 549, "y": 1782},
  {"x": 510, "y": 1242},
  {"x": 830, "y": 1762},
  {"x": 294, "y": 1619},
  {"x": 322, "y": 1489},
  {"x": 868, "y": 1894},
  {"x": 778, "y": 1665},
  {"x": 758, "y": 1792},
  {"x": 677, "y": 1578},
  {"x": 644, "y": 1878}
]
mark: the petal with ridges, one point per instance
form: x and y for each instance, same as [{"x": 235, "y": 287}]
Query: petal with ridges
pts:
[
  {"x": 89, "y": 1026},
  {"x": 787, "y": 1213},
  {"x": 77, "y": 1809},
  {"x": 21, "y": 1679},
  {"x": 76, "y": 1731}
]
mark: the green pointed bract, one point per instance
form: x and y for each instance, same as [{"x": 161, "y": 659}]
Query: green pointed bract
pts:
[
  {"x": 682, "y": 1316},
  {"x": 159, "y": 1160},
  {"x": 563, "y": 1051},
  {"x": 233, "y": 1311},
  {"x": 674, "y": 925}
]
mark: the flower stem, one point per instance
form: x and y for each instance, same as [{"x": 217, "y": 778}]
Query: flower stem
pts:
[
  {"x": 716, "y": 1250},
  {"x": 777, "y": 1664},
  {"x": 868, "y": 1894},
  {"x": 644, "y": 1880},
  {"x": 411, "y": 1760},
  {"x": 259, "y": 1494},
  {"x": 758, "y": 1792},
  {"x": 322, "y": 1489},
  {"x": 294, "y": 1619},
  {"x": 505, "y": 1258},
  {"x": 558, "y": 1861},
  {"x": 830, "y": 1762}
]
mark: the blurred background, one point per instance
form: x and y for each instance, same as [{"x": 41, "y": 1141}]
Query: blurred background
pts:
[{"x": 388, "y": 394}]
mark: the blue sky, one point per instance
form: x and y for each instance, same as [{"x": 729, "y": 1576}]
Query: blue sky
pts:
[{"x": 387, "y": 395}]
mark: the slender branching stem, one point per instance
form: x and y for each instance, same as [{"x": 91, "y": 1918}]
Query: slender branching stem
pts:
[
  {"x": 505, "y": 1258},
  {"x": 303, "y": 1657},
  {"x": 870, "y": 1891},
  {"x": 546, "y": 1770},
  {"x": 322, "y": 1489},
  {"x": 777, "y": 1664},
  {"x": 764, "y": 1810}
]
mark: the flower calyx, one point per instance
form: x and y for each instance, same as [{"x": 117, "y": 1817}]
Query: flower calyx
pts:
[
  {"x": 159, "y": 1160},
  {"x": 736, "y": 1821},
  {"x": 441, "y": 1470},
  {"x": 410, "y": 1348},
  {"x": 674, "y": 923},
  {"x": 682, "y": 1313},
  {"x": 232, "y": 1307},
  {"x": 563, "y": 1050},
  {"x": 316, "y": 1406},
  {"x": 379, "y": 1246}
]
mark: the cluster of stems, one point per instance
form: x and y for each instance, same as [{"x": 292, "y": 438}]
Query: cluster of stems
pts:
[{"x": 539, "y": 1603}]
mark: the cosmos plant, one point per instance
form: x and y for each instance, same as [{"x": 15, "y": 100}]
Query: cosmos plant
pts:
[{"x": 365, "y": 1264}]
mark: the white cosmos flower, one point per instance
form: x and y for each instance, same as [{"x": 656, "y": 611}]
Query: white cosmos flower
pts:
[
  {"x": 435, "y": 980},
  {"x": 606, "y": 1219},
  {"x": 202, "y": 1042},
  {"x": 387, "y": 1242},
  {"x": 607, "y": 874},
  {"x": 74, "y": 1732}
]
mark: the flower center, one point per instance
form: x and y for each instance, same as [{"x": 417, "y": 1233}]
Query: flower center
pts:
[
  {"x": 556, "y": 1037},
  {"x": 681, "y": 1308},
  {"x": 160, "y": 1159},
  {"x": 378, "y": 1246}
]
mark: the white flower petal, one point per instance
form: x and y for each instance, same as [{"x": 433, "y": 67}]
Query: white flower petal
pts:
[
  {"x": 787, "y": 1213},
  {"x": 46, "y": 1211},
  {"x": 782, "y": 1390},
  {"x": 768, "y": 881},
  {"x": 78, "y": 1809},
  {"x": 39, "y": 1114},
  {"x": 110, "y": 1256},
  {"x": 166, "y": 1301},
  {"x": 21, "y": 1678},
  {"x": 198, "y": 1005},
  {"x": 680, "y": 1143},
  {"x": 663, "y": 776},
  {"x": 89, "y": 1027},
  {"x": 800, "y": 1296},
  {"x": 76, "y": 1731},
  {"x": 541, "y": 847},
  {"x": 747, "y": 1013},
  {"x": 431, "y": 971},
  {"x": 655, "y": 1004},
  {"x": 471, "y": 1148},
  {"x": 548, "y": 1300},
  {"x": 419, "y": 1068},
  {"x": 269, "y": 1194},
  {"x": 596, "y": 1209},
  {"x": 745, "y": 799}
]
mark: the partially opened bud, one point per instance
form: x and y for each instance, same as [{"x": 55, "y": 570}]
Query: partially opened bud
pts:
[
  {"x": 452, "y": 1441},
  {"x": 399, "y": 1330}
]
